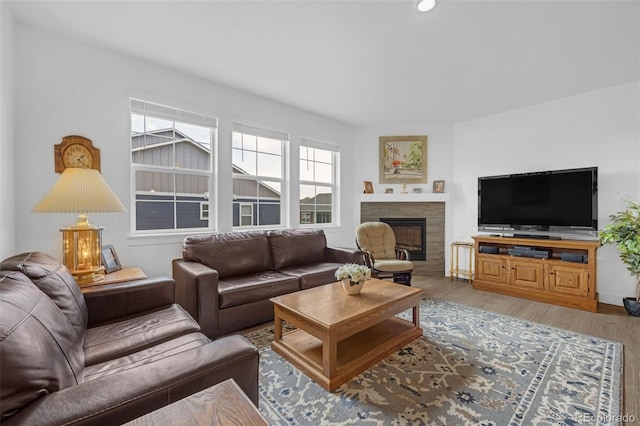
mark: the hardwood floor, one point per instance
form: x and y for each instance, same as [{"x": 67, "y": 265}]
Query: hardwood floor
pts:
[{"x": 611, "y": 322}]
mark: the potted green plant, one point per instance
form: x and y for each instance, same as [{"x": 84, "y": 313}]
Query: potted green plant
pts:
[{"x": 624, "y": 232}]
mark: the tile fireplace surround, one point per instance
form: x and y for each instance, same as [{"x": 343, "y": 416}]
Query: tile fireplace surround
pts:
[{"x": 428, "y": 206}]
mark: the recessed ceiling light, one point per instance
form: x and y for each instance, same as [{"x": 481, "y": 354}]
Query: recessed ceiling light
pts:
[{"x": 425, "y": 5}]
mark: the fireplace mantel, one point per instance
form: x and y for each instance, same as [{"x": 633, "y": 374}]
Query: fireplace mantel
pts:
[{"x": 425, "y": 197}]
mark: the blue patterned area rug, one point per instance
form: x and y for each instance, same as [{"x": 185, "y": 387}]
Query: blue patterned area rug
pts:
[{"x": 470, "y": 367}]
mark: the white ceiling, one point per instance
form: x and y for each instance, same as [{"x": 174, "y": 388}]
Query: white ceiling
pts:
[{"x": 368, "y": 62}]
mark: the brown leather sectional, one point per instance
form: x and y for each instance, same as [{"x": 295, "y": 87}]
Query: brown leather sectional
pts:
[
  {"x": 104, "y": 357},
  {"x": 225, "y": 280}
]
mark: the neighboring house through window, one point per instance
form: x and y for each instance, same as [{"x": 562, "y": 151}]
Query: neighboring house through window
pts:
[
  {"x": 171, "y": 161},
  {"x": 318, "y": 182},
  {"x": 258, "y": 162}
]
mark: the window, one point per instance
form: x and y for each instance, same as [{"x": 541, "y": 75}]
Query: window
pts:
[
  {"x": 305, "y": 217},
  {"x": 204, "y": 211},
  {"x": 258, "y": 176},
  {"x": 318, "y": 182},
  {"x": 171, "y": 161},
  {"x": 246, "y": 214}
]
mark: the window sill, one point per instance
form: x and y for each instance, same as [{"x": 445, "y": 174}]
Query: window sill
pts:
[{"x": 156, "y": 239}]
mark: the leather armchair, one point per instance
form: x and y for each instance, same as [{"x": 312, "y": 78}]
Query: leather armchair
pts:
[{"x": 104, "y": 357}]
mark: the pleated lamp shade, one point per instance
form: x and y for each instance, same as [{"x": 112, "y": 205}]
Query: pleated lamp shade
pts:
[{"x": 81, "y": 191}]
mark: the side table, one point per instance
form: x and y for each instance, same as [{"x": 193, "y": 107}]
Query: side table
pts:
[
  {"x": 221, "y": 404},
  {"x": 122, "y": 276},
  {"x": 454, "y": 261}
]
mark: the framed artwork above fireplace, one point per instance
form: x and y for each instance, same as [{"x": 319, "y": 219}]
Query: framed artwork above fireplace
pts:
[{"x": 403, "y": 159}]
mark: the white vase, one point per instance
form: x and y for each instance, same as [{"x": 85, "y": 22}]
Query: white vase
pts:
[{"x": 352, "y": 288}]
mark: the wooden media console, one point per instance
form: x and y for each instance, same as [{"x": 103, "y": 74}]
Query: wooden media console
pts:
[{"x": 563, "y": 273}]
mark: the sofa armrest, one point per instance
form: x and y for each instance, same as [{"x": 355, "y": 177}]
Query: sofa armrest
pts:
[
  {"x": 116, "y": 301},
  {"x": 126, "y": 395},
  {"x": 344, "y": 255},
  {"x": 197, "y": 292}
]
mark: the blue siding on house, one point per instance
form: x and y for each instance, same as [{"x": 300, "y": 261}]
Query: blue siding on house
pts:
[
  {"x": 267, "y": 214},
  {"x": 156, "y": 212},
  {"x": 189, "y": 216},
  {"x": 154, "y": 215}
]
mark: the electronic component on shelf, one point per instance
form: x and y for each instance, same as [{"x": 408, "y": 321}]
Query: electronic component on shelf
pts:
[
  {"x": 489, "y": 249},
  {"x": 524, "y": 251}
]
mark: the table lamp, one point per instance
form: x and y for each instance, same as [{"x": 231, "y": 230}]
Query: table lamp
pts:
[{"x": 80, "y": 190}]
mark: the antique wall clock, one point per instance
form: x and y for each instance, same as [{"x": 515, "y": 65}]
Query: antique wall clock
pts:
[{"x": 77, "y": 152}]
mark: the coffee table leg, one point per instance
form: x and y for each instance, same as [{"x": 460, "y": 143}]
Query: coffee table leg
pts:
[
  {"x": 277, "y": 324},
  {"x": 329, "y": 355},
  {"x": 416, "y": 316}
]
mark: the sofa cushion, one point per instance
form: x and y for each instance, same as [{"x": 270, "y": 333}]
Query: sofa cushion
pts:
[
  {"x": 296, "y": 247},
  {"x": 41, "y": 352},
  {"x": 55, "y": 280},
  {"x": 146, "y": 356},
  {"x": 314, "y": 275},
  {"x": 230, "y": 253},
  {"x": 125, "y": 337},
  {"x": 393, "y": 265},
  {"x": 253, "y": 287}
]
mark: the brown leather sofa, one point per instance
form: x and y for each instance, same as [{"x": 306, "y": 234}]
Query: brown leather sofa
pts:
[
  {"x": 104, "y": 357},
  {"x": 225, "y": 280}
]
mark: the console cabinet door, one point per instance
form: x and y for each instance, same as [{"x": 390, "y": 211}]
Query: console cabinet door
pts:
[
  {"x": 569, "y": 279},
  {"x": 492, "y": 268},
  {"x": 527, "y": 273}
]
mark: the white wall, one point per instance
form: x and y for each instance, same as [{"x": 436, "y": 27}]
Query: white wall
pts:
[
  {"x": 599, "y": 128},
  {"x": 440, "y": 163},
  {"x": 7, "y": 191},
  {"x": 65, "y": 87}
]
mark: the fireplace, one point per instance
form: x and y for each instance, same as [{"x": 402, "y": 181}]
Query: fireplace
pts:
[
  {"x": 410, "y": 235},
  {"x": 430, "y": 207}
]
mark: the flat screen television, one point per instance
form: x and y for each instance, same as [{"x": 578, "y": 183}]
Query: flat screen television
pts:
[{"x": 547, "y": 203}]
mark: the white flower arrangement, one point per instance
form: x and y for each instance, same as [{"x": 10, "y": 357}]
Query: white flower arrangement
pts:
[{"x": 354, "y": 272}]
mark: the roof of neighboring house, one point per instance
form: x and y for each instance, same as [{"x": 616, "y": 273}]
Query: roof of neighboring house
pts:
[
  {"x": 155, "y": 138},
  {"x": 319, "y": 199}
]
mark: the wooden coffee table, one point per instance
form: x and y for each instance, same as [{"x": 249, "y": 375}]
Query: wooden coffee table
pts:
[{"x": 339, "y": 336}]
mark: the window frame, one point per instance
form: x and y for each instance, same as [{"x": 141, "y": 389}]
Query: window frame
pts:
[
  {"x": 148, "y": 109},
  {"x": 283, "y": 181},
  {"x": 334, "y": 184}
]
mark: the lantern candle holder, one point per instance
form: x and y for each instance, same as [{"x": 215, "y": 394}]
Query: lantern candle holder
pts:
[{"x": 81, "y": 250}]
